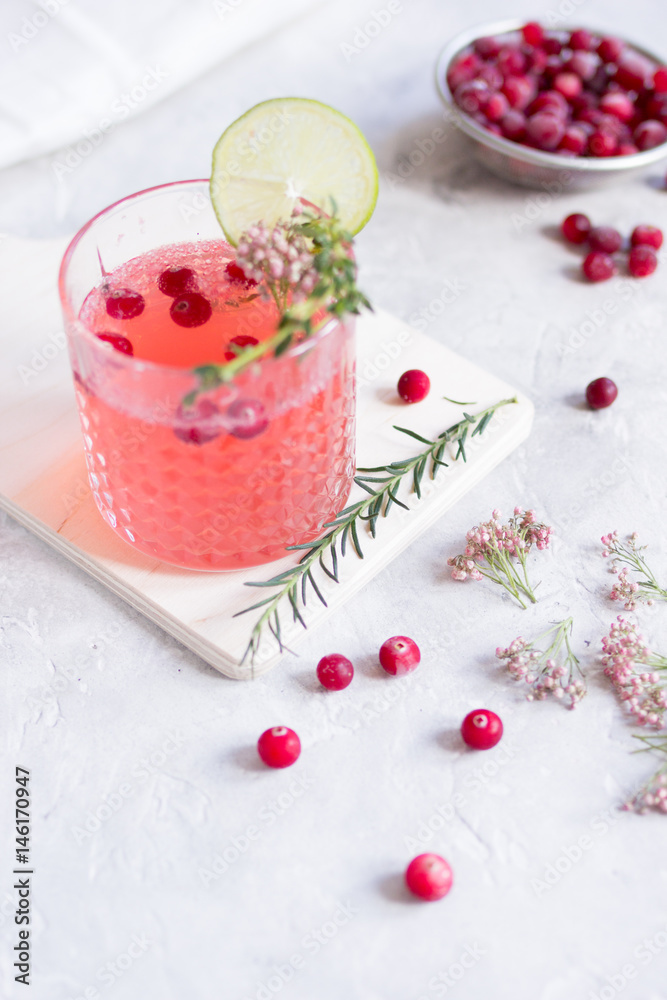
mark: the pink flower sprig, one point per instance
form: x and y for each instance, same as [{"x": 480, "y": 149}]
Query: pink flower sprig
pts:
[
  {"x": 280, "y": 260},
  {"x": 628, "y": 555},
  {"x": 498, "y": 552},
  {"x": 653, "y": 795},
  {"x": 541, "y": 669},
  {"x": 635, "y": 672}
]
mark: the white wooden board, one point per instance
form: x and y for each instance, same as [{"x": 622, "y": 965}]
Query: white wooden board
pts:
[{"x": 43, "y": 482}]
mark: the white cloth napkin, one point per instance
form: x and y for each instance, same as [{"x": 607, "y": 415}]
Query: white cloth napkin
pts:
[{"x": 73, "y": 69}]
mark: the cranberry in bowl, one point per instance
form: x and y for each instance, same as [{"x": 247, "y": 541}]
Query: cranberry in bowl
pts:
[{"x": 561, "y": 109}]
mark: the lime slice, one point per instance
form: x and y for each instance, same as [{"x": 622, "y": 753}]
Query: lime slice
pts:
[{"x": 290, "y": 148}]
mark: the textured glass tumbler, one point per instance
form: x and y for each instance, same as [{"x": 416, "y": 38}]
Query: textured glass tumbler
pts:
[{"x": 251, "y": 467}]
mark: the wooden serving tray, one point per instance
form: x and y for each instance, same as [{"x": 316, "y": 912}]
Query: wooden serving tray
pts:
[{"x": 43, "y": 481}]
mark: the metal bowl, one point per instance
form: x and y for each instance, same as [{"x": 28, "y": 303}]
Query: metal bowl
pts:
[{"x": 523, "y": 164}]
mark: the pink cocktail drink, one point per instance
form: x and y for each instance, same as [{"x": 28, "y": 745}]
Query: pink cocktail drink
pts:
[{"x": 227, "y": 479}]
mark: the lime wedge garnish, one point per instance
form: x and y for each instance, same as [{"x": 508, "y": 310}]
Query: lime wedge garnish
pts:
[{"x": 288, "y": 149}]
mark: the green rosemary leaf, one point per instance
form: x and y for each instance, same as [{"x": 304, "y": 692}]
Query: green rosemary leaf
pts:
[
  {"x": 334, "y": 560},
  {"x": 469, "y": 417},
  {"x": 355, "y": 539},
  {"x": 401, "y": 465},
  {"x": 343, "y": 539},
  {"x": 313, "y": 584},
  {"x": 368, "y": 489},
  {"x": 461, "y": 452},
  {"x": 481, "y": 426},
  {"x": 253, "y": 607},
  {"x": 387, "y": 506},
  {"x": 417, "y": 474},
  {"x": 372, "y": 479},
  {"x": 291, "y": 594},
  {"x": 378, "y": 468},
  {"x": 457, "y": 403},
  {"x": 437, "y": 462},
  {"x": 304, "y": 581},
  {"x": 413, "y": 434},
  {"x": 395, "y": 500},
  {"x": 325, "y": 569}
]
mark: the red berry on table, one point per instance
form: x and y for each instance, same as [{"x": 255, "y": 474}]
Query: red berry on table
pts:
[
  {"x": 123, "y": 303},
  {"x": 247, "y": 418},
  {"x": 600, "y": 393},
  {"x": 605, "y": 238},
  {"x": 642, "y": 261},
  {"x": 649, "y": 236},
  {"x": 429, "y": 876},
  {"x": 175, "y": 281},
  {"x": 190, "y": 309},
  {"x": 117, "y": 341},
  {"x": 279, "y": 746},
  {"x": 576, "y": 227},
  {"x": 481, "y": 729},
  {"x": 399, "y": 655},
  {"x": 414, "y": 385},
  {"x": 335, "y": 672},
  {"x": 598, "y": 266}
]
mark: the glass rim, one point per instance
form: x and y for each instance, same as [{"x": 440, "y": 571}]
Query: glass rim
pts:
[{"x": 128, "y": 361}]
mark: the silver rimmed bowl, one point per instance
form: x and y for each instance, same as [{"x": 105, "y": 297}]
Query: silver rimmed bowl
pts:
[{"x": 523, "y": 164}]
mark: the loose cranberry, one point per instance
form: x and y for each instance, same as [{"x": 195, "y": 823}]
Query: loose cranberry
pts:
[
  {"x": 124, "y": 304},
  {"x": 429, "y": 876},
  {"x": 569, "y": 85},
  {"x": 481, "y": 729},
  {"x": 176, "y": 281},
  {"x": 488, "y": 47},
  {"x": 191, "y": 309},
  {"x": 414, "y": 385},
  {"x": 519, "y": 91},
  {"x": 649, "y": 134},
  {"x": 605, "y": 238},
  {"x": 575, "y": 140},
  {"x": 335, "y": 672},
  {"x": 279, "y": 746},
  {"x": 545, "y": 130},
  {"x": 197, "y": 424},
  {"x": 514, "y": 125},
  {"x": 235, "y": 273},
  {"x": 660, "y": 80},
  {"x": 600, "y": 393},
  {"x": 602, "y": 143},
  {"x": 247, "y": 418},
  {"x": 497, "y": 107},
  {"x": 399, "y": 655},
  {"x": 576, "y": 227},
  {"x": 619, "y": 104},
  {"x": 610, "y": 49},
  {"x": 598, "y": 266},
  {"x": 649, "y": 236},
  {"x": 642, "y": 261},
  {"x": 533, "y": 33},
  {"x": 581, "y": 39},
  {"x": 120, "y": 343}
]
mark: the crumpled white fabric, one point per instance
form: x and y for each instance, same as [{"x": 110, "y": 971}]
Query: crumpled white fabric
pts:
[{"x": 73, "y": 69}]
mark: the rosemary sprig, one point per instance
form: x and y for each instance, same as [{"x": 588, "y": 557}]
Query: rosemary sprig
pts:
[{"x": 381, "y": 484}]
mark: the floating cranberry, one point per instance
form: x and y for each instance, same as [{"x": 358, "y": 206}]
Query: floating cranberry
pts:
[
  {"x": 243, "y": 340},
  {"x": 429, "y": 876},
  {"x": 335, "y": 672},
  {"x": 605, "y": 238},
  {"x": 600, "y": 393},
  {"x": 235, "y": 273},
  {"x": 649, "y": 236},
  {"x": 247, "y": 418},
  {"x": 642, "y": 261},
  {"x": 576, "y": 227},
  {"x": 123, "y": 303},
  {"x": 279, "y": 746},
  {"x": 414, "y": 385},
  {"x": 481, "y": 729},
  {"x": 197, "y": 424},
  {"x": 399, "y": 655},
  {"x": 598, "y": 266},
  {"x": 117, "y": 341},
  {"x": 190, "y": 309},
  {"x": 175, "y": 281}
]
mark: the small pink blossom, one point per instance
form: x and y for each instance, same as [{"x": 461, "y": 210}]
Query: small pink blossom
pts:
[
  {"x": 539, "y": 668},
  {"x": 626, "y": 656}
]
